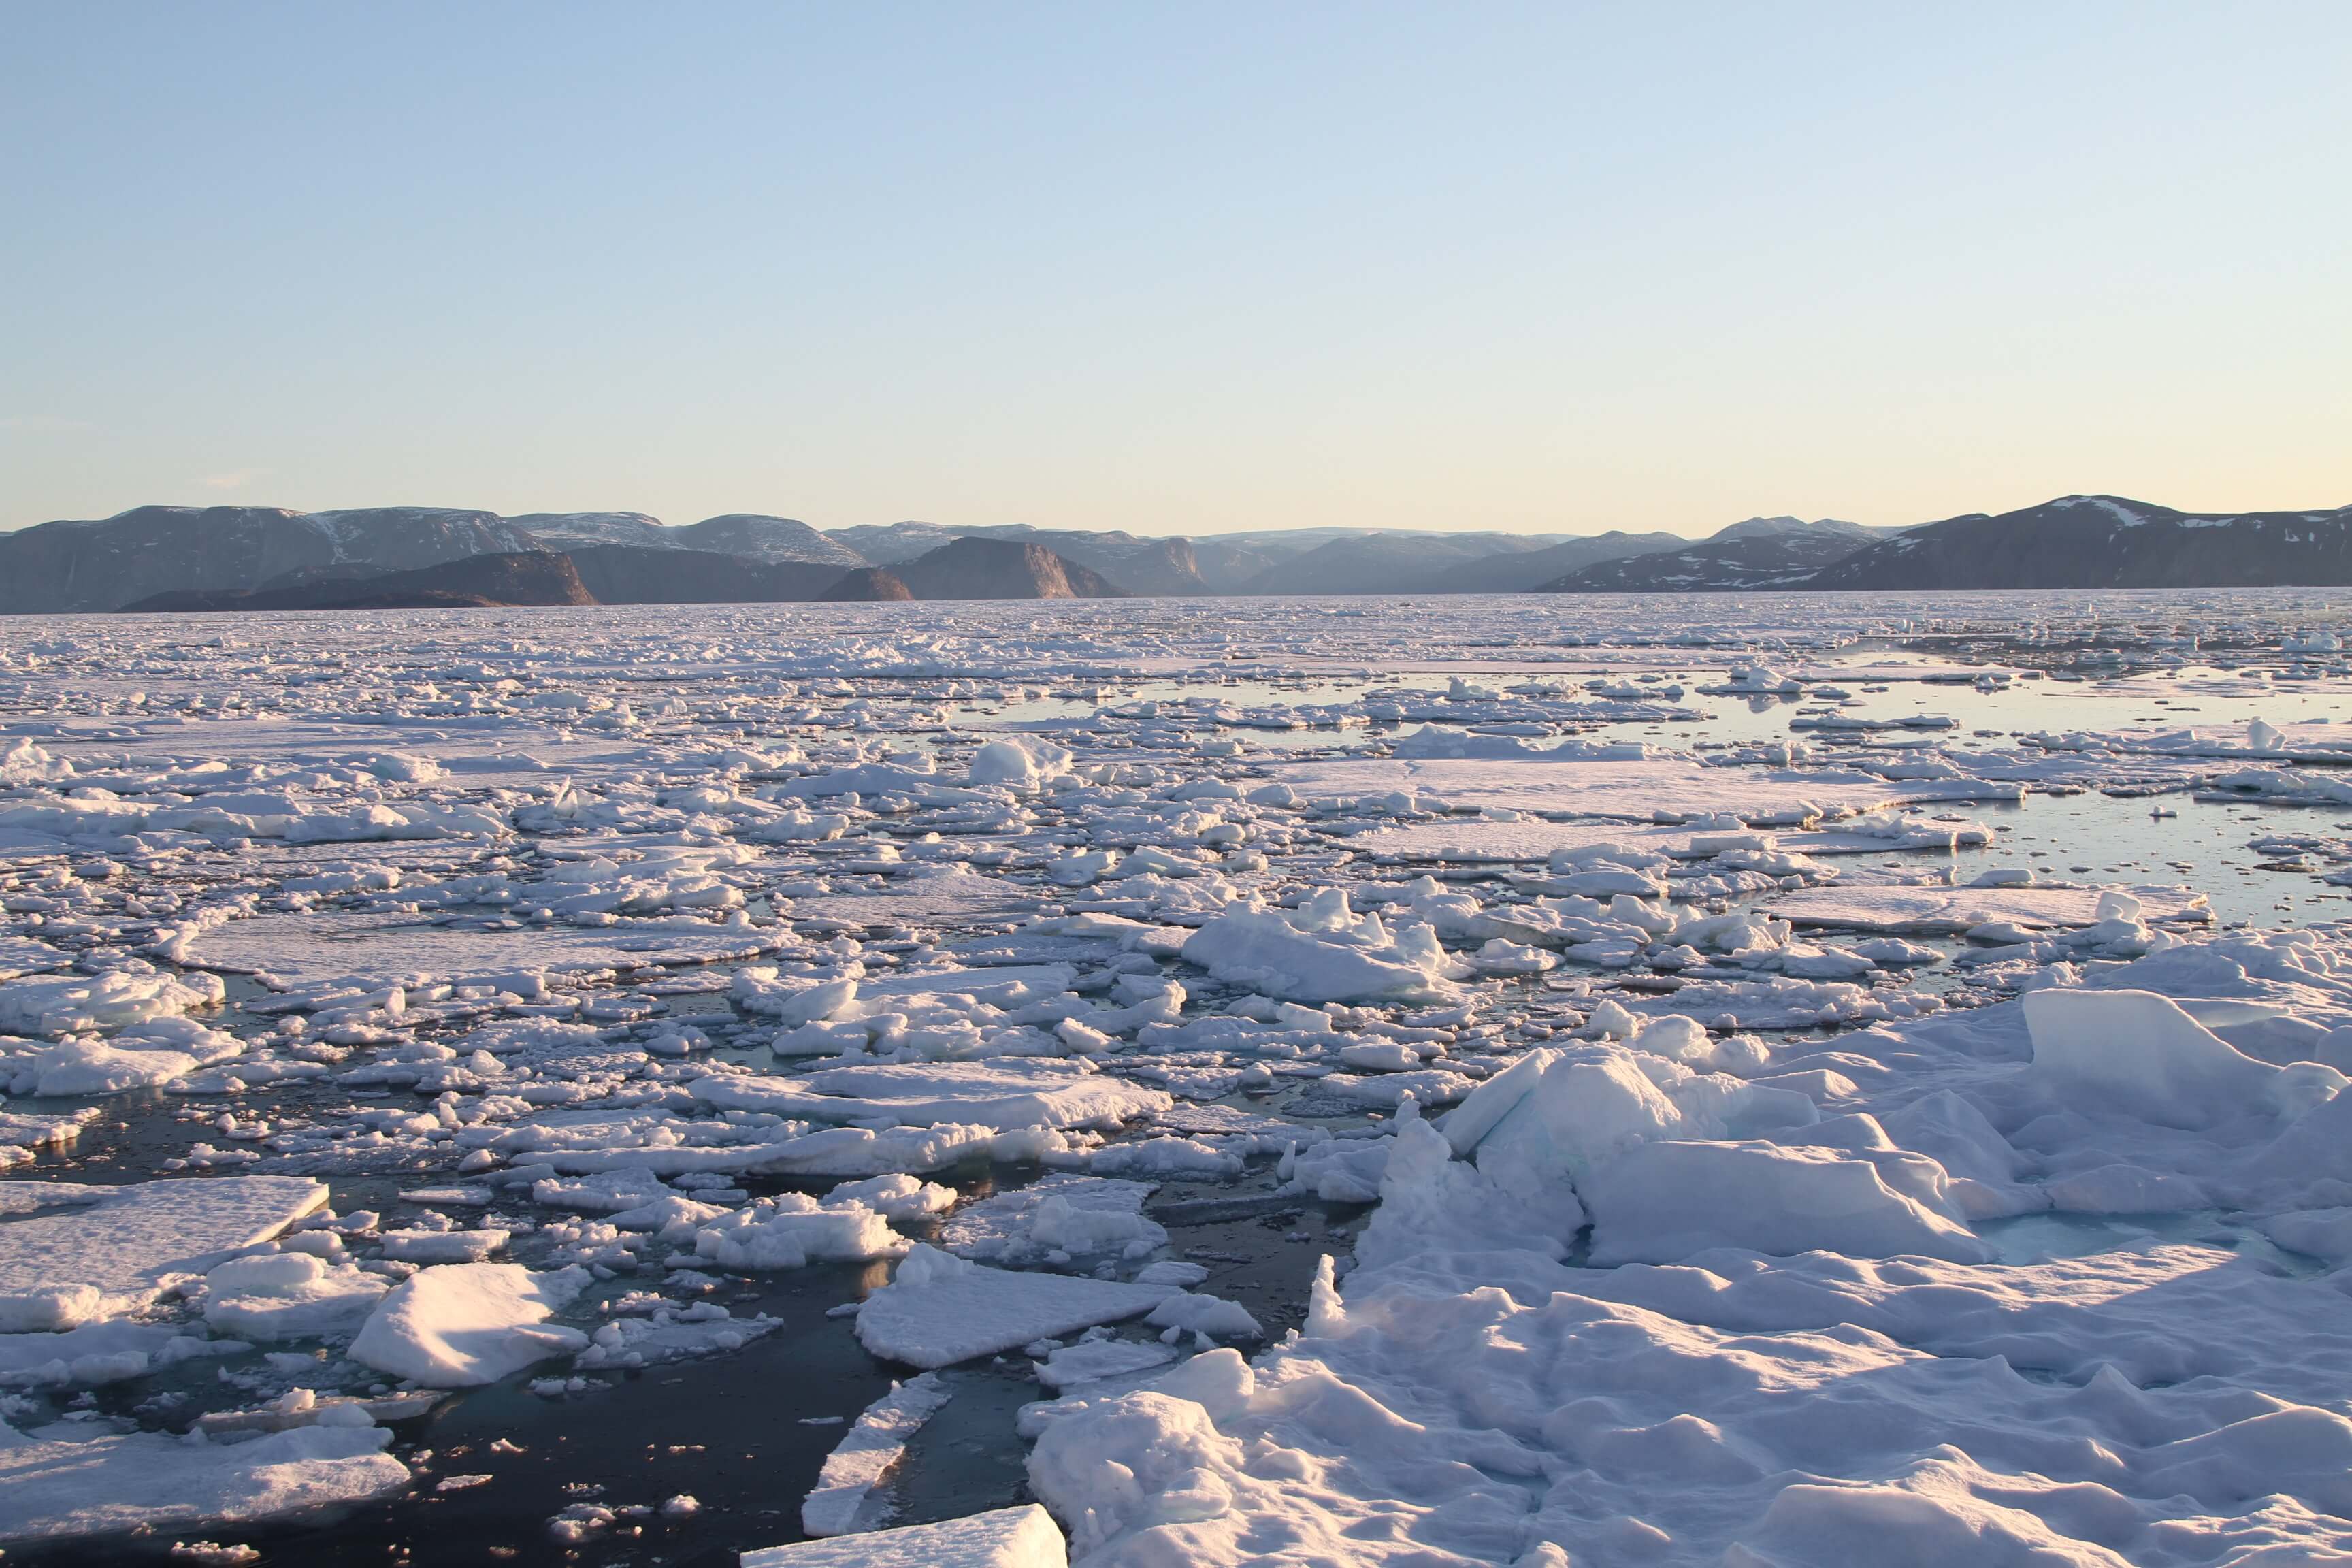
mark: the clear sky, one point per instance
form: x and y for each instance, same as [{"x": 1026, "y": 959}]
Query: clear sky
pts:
[{"x": 1175, "y": 268}]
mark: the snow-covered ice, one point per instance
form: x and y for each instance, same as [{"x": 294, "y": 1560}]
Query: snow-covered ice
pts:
[
  {"x": 1854, "y": 1079},
  {"x": 458, "y": 1325},
  {"x": 940, "y": 1308},
  {"x": 1023, "y": 1537}
]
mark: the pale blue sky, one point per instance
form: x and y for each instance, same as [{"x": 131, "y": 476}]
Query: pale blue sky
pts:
[{"x": 1175, "y": 269}]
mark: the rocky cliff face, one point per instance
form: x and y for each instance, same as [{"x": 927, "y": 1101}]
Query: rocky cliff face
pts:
[
  {"x": 976, "y": 568},
  {"x": 865, "y": 584},
  {"x": 632, "y": 574}
]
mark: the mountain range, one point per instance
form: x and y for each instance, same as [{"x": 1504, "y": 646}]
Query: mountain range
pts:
[{"x": 262, "y": 557}]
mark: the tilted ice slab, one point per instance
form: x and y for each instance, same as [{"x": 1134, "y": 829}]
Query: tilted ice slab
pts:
[
  {"x": 940, "y": 1310},
  {"x": 127, "y": 1243},
  {"x": 307, "y": 949},
  {"x": 1021, "y": 1537},
  {"x": 1935, "y": 908},
  {"x": 56, "y": 1488},
  {"x": 1324, "y": 952},
  {"x": 842, "y": 1501}
]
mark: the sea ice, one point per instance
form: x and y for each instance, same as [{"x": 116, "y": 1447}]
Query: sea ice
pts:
[
  {"x": 459, "y": 1325},
  {"x": 940, "y": 1309},
  {"x": 129, "y": 1242},
  {"x": 1021, "y": 1537}
]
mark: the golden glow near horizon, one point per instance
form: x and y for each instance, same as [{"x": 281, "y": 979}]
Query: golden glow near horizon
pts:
[{"x": 1545, "y": 269}]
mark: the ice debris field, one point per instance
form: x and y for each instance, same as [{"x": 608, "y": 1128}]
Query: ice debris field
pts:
[{"x": 1744, "y": 1080}]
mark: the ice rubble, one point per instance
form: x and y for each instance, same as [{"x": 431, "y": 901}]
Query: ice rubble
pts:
[
  {"x": 1884, "y": 1386},
  {"x": 1727, "y": 1194}
]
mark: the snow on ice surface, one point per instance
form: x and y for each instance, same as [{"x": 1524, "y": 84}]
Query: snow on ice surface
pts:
[
  {"x": 127, "y": 1242},
  {"x": 458, "y": 1325},
  {"x": 940, "y": 1310},
  {"x": 1961, "y": 909},
  {"x": 1746, "y": 1238},
  {"x": 82, "y": 1483},
  {"x": 296, "y": 949},
  {"x": 1635, "y": 790},
  {"x": 842, "y": 1501},
  {"x": 1007, "y": 1538}
]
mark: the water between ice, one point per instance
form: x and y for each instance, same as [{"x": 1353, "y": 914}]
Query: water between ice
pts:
[{"x": 746, "y": 1433}]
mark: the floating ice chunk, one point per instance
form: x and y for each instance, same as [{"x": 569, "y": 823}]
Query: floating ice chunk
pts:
[
  {"x": 464, "y": 1324},
  {"x": 1023, "y": 1537},
  {"x": 865, "y": 1152},
  {"x": 288, "y": 1295},
  {"x": 127, "y": 1243},
  {"x": 999, "y": 1093},
  {"x": 842, "y": 1501},
  {"x": 1166, "y": 1159},
  {"x": 756, "y": 989},
  {"x": 1212, "y": 1315},
  {"x": 607, "y": 1192},
  {"x": 895, "y": 1196},
  {"x": 792, "y": 1230},
  {"x": 1021, "y": 762},
  {"x": 1898, "y": 908},
  {"x": 1339, "y": 1170},
  {"x": 1324, "y": 954},
  {"x": 442, "y": 1246},
  {"x": 940, "y": 1310},
  {"x": 46, "y": 1309},
  {"x": 114, "y": 1000},
  {"x": 1091, "y": 1361},
  {"x": 705, "y": 1328},
  {"x": 112, "y": 1484},
  {"x": 1075, "y": 1216},
  {"x": 2137, "y": 1053}
]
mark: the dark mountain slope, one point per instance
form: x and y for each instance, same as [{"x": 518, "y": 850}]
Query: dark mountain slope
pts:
[
  {"x": 523, "y": 578},
  {"x": 976, "y": 568},
  {"x": 632, "y": 574},
  {"x": 1156, "y": 566},
  {"x": 103, "y": 563},
  {"x": 866, "y": 585},
  {"x": 1528, "y": 571},
  {"x": 2106, "y": 542},
  {"x": 1385, "y": 562}
]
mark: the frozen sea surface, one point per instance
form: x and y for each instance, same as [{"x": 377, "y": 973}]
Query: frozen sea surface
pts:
[{"x": 1777, "y": 1079}]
